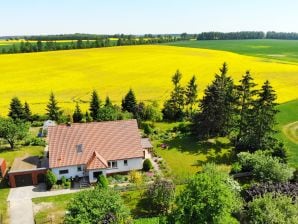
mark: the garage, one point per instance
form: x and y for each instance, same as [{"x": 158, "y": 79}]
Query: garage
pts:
[
  {"x": 23, "y": 180},
  {"x": 27, "y": 171}
]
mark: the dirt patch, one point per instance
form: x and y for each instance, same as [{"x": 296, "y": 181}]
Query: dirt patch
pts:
[{"x": 41, "y": 206}]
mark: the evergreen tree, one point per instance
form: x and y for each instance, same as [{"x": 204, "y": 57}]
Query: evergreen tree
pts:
[
  {"x": 129, "y": 103},
  {"x": 16, "y": 110},
  {"x": 264, "y": 118},
  {"x": 191, "y": 93},
  {"x": 27, "y": 112},
  {"x": 53, "y": 111},
  {"x": 245, "y": 94},
  {"x": 94, "y": 106},
  {"x": 88, "y": 117},
  {"x": 173, "y": 107},
  {"x": 108, "y": 102},
  {"x": 77, "y": 114},
  {"x": 217, "y": 107}
]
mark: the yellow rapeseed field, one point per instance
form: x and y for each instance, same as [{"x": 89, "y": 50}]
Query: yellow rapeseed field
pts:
[{"x": 73, "y": 74}]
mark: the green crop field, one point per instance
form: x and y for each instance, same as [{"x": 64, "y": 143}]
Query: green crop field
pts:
[
  {"x": 285, "y": 50},
  {"x": 287, "y": 120}
]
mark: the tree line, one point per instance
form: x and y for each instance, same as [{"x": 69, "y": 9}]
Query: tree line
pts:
[
  {"x": 247, "y": 35},
  {"x": 53, "y": 45}
]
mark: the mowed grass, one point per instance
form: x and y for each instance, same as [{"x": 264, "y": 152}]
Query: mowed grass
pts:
[
  {"x": 9, "y": 155},
  {"x": 288, "y": 115},
  {"x": 55, "y": 206},
  {"x": 112, "y": 71},
  {"x": 186, "y": 155},
  {"x": 285, "y": 50}
]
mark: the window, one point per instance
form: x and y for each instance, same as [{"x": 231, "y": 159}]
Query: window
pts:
[
  {"x": 79, "y": 168},
  {"x": 112, "y": 164},
  {"x": 63, "y": 171},
  {"x": 79, "y": 148},
  {"x": 125, "y": 163}
]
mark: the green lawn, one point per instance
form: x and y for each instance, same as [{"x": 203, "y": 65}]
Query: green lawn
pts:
[
  {"x": 186, "y": 155},
  {"x": 4, "y": 191},
  {"x": 55, "y": 206},
  {"x": 9, "y": 155},
  {"x": 288, "y": 114},
  {"x": 52, "y": 207},
  {"x": 285, "y": 50}
]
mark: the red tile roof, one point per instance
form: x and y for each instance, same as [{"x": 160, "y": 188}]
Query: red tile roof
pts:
[
  {"x": 101, "y": 142},
  {"x": 96, "y": 162}
]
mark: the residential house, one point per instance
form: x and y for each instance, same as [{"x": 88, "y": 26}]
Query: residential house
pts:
[{"x": 92, "y": 149}]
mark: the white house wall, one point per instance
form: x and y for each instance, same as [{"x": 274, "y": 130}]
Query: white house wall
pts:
[
  {"x": 72, "y": 172},
  {"x": 132, "y": 164}
]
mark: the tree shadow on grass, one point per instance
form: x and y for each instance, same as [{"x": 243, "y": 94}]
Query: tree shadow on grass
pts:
[
  {"x": 217, "y": 150},
  {"x": 191, "y": 144}
]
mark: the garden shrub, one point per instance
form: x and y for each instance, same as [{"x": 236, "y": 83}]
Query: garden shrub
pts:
[
  {"x": 102, "y": 181},
  {"x": 50, "y": 179},
  {"x": 147, "y": 165}
]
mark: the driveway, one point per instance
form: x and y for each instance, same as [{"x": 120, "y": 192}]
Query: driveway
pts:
[{"x": 20, "y": 203}]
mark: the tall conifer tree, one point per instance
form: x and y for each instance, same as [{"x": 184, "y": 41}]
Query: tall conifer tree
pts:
[
  {"x": 77, "y": 114},
  {"x": 191, "y": 94},
  {"x": 217, "y": 107},
  {"x": 129, "y": 103},
  {"x": 53, "y": 111},
  {"x": 16, "y": 110},
  {"x": 94, "y": 106}
]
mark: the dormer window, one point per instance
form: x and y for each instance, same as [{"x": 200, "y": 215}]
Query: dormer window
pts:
[{"x": 79, "y": 148}]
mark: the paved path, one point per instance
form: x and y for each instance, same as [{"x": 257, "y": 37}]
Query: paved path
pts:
[{"x": 20, "y": 203}]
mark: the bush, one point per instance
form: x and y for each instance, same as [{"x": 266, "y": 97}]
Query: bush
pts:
[
  {"x": 50, "y": 179},
  {"x": 147, "y": 165},
  {"x": 100, "y": 205},
  {"x": 102, "y": 181},
  {"x": 236, "y": 168},
  {"x": 265, "y": 167},
  {"x": 272, "y": 209},
  {"x": 35, "y": 141},
  {"x": 36, "y": 124},
  {"x": 160, "y": 196},
  {"x": 135, "y": 177},
  {"x": 147, "y": 128},
  {"x": 207, "y": 198}
]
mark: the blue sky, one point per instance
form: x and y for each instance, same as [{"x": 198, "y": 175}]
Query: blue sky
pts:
[{"x": 18, "y": 17}]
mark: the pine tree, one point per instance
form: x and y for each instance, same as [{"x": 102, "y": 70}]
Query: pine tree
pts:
[
  {"x": 129, "y": 103},
  {"x": 16, "y": 110},
  {"x": 191, "y": 93},
  {"x": 246, "y": 95},
  {"x": 27, "y": 112},
  {"x": 108, "y": 102},
  {"x": 88, "y": 117},
  {"x": 77, "y": 114},
  {"x": 216, "y": 115},
  {"x": 173, "y": 107},
  {"x": 53, "y": 111},
  {"x": 94, "y": 106},
  {"x": 264, "y": 118}
]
